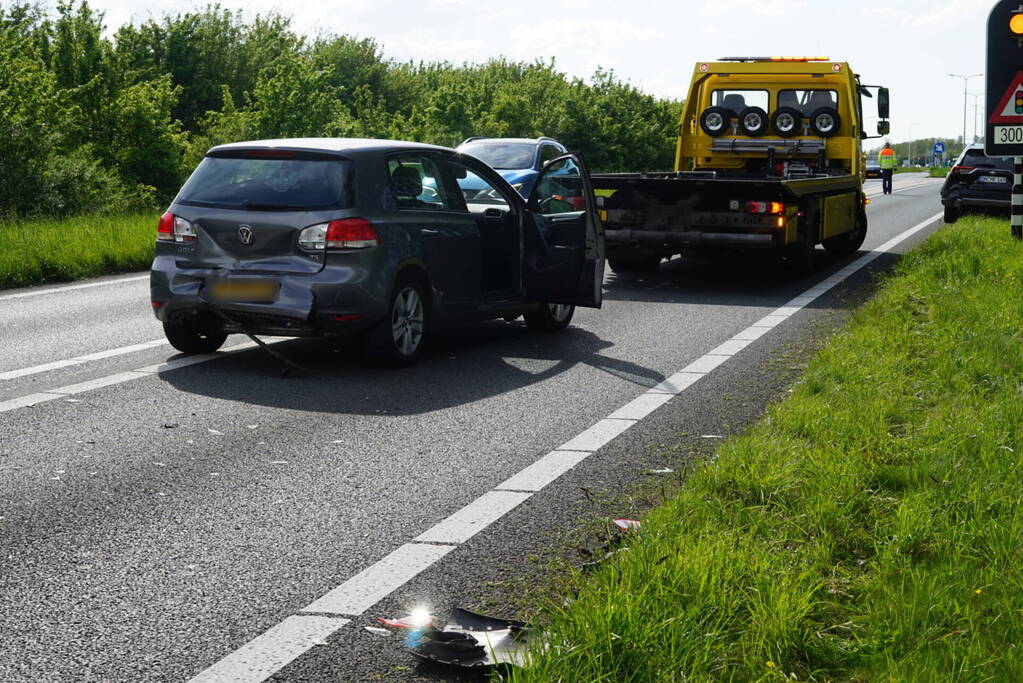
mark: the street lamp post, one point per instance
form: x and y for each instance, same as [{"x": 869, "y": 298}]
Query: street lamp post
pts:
[{"x": 966, "y": 83}]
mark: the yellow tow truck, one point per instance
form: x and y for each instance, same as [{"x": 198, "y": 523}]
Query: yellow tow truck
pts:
[{"x": 769, "y": 157}]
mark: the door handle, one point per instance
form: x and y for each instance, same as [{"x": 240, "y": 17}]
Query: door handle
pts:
[{"x": 428, "y": 231}]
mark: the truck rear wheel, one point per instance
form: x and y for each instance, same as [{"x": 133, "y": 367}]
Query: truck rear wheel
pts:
[
  {"x": 849, "y": 242},
  {"x": 646, "y": 264}
]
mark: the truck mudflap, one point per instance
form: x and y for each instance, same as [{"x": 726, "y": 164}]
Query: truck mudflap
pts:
[{"x": 687, "y": 238}]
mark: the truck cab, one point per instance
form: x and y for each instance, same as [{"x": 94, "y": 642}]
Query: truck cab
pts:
[{"x": 769, "y": 156}]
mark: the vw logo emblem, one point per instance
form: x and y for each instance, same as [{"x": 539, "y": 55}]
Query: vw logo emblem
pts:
[{"x": 245, "y": 234}]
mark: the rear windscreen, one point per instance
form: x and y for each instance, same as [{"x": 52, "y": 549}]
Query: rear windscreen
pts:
[
  {"x": 268, "y": 183},
  {"x": 977, "y": 159}
]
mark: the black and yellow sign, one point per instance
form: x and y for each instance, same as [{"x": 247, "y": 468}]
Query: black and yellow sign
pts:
[{"x": 1005, "y": 80}]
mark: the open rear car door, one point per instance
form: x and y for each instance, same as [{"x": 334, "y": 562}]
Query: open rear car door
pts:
[{"x": 563, "y": 237}]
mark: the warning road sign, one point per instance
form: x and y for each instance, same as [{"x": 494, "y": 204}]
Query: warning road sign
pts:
[
  {"x": 1004, "y": 101},
  {"x": 1010, "y": 107}
]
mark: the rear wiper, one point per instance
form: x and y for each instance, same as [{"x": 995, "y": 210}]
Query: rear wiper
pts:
[{"x": 266, "y": 206}]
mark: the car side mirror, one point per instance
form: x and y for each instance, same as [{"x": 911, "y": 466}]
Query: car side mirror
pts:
[
  {"x": 884, "y": 128},
  {"x": 883, "y": 103}
]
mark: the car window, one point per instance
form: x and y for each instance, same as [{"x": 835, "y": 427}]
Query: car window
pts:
[
  {"x": 416, "y": 183},
  {"x": 737, "y": 100},
  {"x": 548, "y": 152},
  {"x": 261, "y": 181},
  {"x": 475, "y": 189},
  {"x": 503, "y": 156},
  {"x": 560, "y": 189},
  {"x": 808, "y": 101},
  {"x": 978, "y": 159}
]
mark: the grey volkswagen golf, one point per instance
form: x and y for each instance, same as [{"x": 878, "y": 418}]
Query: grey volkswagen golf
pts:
[{"x": 382, "y": 239}]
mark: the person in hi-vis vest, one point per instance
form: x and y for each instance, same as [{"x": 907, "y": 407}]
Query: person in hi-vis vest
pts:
[{"x": 888, "y": 163}]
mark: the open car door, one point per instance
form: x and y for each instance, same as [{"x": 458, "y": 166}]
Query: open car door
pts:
[{"x": 563, "y": 237}]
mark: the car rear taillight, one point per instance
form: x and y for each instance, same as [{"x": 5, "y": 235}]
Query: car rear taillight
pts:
[
  {"x": 963, "y": 169},
  {"x": 174, "y": 229},
  {"x": 347, "y": 233},
  {"x": 772, "y": 208},
  {"x": 351, "y": 233}
]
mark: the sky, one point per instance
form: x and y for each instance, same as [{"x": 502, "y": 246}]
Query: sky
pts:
[{"x": 908, "y": 45}]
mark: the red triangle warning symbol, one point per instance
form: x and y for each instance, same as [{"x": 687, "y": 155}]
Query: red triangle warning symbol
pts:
[{"x": 1010, "y": 107}]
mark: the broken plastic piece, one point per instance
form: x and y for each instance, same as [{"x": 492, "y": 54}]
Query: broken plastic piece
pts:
[
  {"x": 627, "y": 524},
  {"x": 473, "y": 640},
  {"x": 376, "y": 630},
  {"x": 411, "y": 621}
]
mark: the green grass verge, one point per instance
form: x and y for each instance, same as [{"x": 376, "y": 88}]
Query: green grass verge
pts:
[
  {"x": 939, "y": 172},
  {"x": 54, "y": 250},
  {"x": 869, "y": 528}
]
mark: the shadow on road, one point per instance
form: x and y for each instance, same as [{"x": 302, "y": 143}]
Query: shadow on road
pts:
[
  {"x": 459, "y": 366},
  {"x": 476, "y": 362}
]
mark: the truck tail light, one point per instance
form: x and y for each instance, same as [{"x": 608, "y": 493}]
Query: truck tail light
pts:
[
  {"x": 174, "y": 229},
  {"x": 771, "y": 208}
]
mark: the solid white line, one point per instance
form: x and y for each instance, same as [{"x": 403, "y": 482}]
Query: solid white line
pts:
[
  {"x": 67, "y": 288},
  {"x": 119, "y": 378},
  {"x": 273, "y": 650},
  {"x": 641, "y": 406},
  {"x": 460, "y": 526},
  {"x": 373, "y": 584},
  {"x": 544, "y": 471},
  {"x": 26, "y": 401},
  {"x": 677, "y": 383},
  {"x": 78, "y": 360},
  {"x": 597, "y": 436}
]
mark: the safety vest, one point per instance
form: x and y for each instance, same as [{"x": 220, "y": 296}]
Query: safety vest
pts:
[{"x": 887, "y": 159}]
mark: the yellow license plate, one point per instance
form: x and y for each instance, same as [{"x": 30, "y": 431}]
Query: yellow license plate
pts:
[
  {"x": 247, "y": 291},
  {"x": 603, "y": 215}
]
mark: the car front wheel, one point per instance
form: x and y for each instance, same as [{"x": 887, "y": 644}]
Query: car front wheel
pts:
[
  {"x": 550, "y": 317},
  {"x": 397, "y": 340},
  {"x": 190, "y": 338}
]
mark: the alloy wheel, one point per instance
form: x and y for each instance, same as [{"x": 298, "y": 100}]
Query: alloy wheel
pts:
[{"x": 407, "y": 321}]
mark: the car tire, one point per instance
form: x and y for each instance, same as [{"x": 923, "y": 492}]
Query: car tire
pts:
[
  {"x": 715, "y": 121},
  {"x": 826, "y": 122},
  {"x": 397, "y": 340},
  {"x": 850, "y": 242},
  {"x": 648, "y": 264},
  {"x": 951, "y": 214},
  {"x": 190, "y": 338},
  {"x": 754, "y": 122},
  {"x": 786, "y": 121},
  {"x": 550, "y": 317}
]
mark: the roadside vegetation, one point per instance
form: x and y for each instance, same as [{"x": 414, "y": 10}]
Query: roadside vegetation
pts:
[
  {"x": 47, "y": 250},
  {"x": 99, "y": 120},
  {"x": 939, "y": 172},
  {"x": 867, "y": 528}
]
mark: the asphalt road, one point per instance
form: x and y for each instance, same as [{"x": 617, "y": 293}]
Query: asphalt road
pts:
[{"x": 153, "y": 521}]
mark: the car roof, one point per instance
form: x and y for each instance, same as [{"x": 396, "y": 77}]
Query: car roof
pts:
[
  {"x": 530, "y": 141},
  {"x": 335, "y": 145}
]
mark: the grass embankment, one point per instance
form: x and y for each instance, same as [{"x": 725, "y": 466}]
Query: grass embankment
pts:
[
  {"x": 939, "y": 172},
  {"x": 60, "y": 249},
  {"x": 869, "y": 528}
]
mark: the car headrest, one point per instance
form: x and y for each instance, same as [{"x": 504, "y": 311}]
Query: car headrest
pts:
[
  {"x": 734, "y": 102},
  {"x": 821, "y": 98},
  {"x": 407, "y": 181},
  {"x": 788, "y": 98}
]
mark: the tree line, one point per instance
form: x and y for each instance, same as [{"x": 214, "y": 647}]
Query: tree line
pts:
[{"x": 94, "y": 123}]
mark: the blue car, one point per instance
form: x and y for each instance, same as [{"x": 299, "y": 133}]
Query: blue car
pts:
[{"x": 518, "y": 160}]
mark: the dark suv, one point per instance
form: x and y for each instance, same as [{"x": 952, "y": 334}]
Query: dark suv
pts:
[
  {"x": 977, "y": 181},
  {"x": 330, "y": 237}
]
